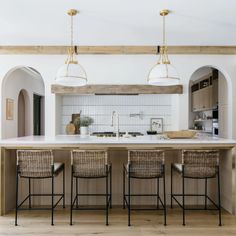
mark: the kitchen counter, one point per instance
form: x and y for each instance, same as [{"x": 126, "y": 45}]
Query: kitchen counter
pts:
[
  {"x": 65, "y": 140},
  {"x": 117, "y": 150}
]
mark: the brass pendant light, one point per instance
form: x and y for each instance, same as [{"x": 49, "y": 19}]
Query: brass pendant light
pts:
[
  {"x": 163, "y": 73},
  {"x": 71, "y": 73}
]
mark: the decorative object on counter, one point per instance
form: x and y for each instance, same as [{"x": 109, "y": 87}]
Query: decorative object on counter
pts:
[
  {"x": 9, "y": 109},
  {"x": 84, "y": 122},
  {"x": 163, "y": 73},
  {"x": 70, "y": 128},
  {"x": 157, "y": 125},
  {"x": 71, "y": 73},
  {"x": 181, "y": 134},
  {"x": 75, "y": 119}
]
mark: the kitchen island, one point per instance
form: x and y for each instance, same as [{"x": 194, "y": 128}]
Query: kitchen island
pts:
[{"x": 117, "y": 149}]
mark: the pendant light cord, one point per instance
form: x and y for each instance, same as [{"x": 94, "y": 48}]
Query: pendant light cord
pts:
[
  {"x": 164, "y": 56},
  {"x": 71, "y": 30},
  {"x": 72, "y": 35},
  {"x": 164, "y": 33}
]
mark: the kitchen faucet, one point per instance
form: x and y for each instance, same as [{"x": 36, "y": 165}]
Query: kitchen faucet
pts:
[{"x": 116, "y": 115}]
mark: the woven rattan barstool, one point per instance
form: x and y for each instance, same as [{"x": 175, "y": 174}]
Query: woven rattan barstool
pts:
[
  {"x": 144, "y": 164},
  {"x": 197, "y": 164},
  {"x": 38, "y": 164},
  {"x": 90, "y": 164}
]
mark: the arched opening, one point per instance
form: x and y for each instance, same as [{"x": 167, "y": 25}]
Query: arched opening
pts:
[
  {"x": 22, "y": 107},
  {"x": 210, "y": 102},
  {"x": 21, "y": 85}
]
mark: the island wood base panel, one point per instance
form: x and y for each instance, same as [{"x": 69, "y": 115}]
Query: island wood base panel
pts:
[{"x": 117, "y": 158}]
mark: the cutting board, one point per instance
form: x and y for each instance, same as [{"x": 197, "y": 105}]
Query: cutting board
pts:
[{"x": 73, "y": 117}]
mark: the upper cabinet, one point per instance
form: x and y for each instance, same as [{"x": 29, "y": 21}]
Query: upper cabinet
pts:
[{"x": 205, "y": 93}]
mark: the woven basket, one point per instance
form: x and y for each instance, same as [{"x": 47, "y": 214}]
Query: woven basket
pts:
[{"x": 181, "y": 134}]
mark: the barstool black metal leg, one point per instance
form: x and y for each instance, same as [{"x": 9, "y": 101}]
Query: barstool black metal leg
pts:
[
  {"x": 205, "y": 193},
  {"x": 123, "y": 187},
  {"x": 107, "y": 199},
  {"x": 183, "y": 199},
  {"x": 64, "y": 201},
  {"x": 129, "y": 202},
  {"x": 171, "y": 186},
  {"x": 71, "y": 195},
  {"x": 164, "y": 192},
  {"x": 76, "y": 190},
  {"x": 110, "y": 186},
  {"x": 219, "y": 200},
  {"x": 52, "y": 206},
  {"x": 16, "y": 212},
  {"x": 29, "y": 192},
  {"x": 157, "y": 193}
]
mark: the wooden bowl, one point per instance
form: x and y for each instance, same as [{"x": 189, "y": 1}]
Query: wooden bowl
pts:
[{"x": 181, "y": 134}]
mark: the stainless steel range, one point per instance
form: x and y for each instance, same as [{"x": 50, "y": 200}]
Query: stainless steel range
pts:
[{"x": 112, "y": 134}]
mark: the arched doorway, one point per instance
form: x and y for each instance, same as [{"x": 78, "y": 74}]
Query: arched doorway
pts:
[
  {"x": 210, "y": 102},
  {"x": 20, "y": 85},
  {"x": 21, "y": 115}
]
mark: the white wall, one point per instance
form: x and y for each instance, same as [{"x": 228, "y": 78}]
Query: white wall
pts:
[
  {"x": 126, "y": 69},
  {"x": 223, "y": 107},
  {"x": 12, "y": 84}
]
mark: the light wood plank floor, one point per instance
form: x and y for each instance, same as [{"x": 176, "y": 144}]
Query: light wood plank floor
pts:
[{"x": 93, "y": 223}]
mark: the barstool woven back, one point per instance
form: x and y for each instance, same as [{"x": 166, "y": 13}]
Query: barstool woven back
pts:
[
  {"x": 89, "y": 163},
  {"x": 35, "y": 163},
  {"x": 146, "y": 163},
  {"x": 200, "y": 163}
]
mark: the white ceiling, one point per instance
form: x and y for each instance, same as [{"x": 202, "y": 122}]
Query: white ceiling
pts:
[{"x": 118, "y": 22}]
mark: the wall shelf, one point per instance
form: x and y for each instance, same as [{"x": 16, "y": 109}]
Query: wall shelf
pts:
[{"x": 113, "y": 89}]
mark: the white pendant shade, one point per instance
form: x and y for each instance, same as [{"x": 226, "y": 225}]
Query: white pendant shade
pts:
[
  {"x": 163, "y": 75},
  {"x": 71, "y": 75}
]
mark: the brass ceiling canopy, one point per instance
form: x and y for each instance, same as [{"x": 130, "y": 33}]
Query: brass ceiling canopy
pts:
[
  {"x": 72, "y": 12},
  {"x": 164, "y": 12}
]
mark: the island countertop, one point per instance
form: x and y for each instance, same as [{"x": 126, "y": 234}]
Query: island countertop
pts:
[
  {"x": 73, "y": 140},
  {"x": 118, "y": 155}
]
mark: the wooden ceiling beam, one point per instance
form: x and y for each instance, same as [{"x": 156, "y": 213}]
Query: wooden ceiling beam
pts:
[
  {"x": 117, "y": 89},
  {"x": 122, "y": 50}
]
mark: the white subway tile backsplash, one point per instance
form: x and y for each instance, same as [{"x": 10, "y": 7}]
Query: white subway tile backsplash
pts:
[{"x": 100, "y": 108}]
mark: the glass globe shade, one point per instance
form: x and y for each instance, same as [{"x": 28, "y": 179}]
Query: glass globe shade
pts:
[
  {"x": 163, "y": 75},
  {"x": 71, "y": 75}
]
